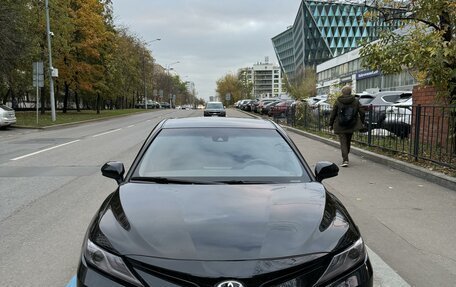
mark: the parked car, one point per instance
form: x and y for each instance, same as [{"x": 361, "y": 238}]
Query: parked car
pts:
[
  {"x": 165, "y": 105},
  {"x": 7, "y": 116},
  {"x": 365, "y": 98},
  {"x": 398, "y": 118},
  {"x": 150, "y": 105},
  {"x": 262, "y": 103},
  {"x": 280, "y": 109},
  {"x": 377, "y": 106},
  {"x": 247, "y": 105},
  {"x": 321, "y": 107},
  {"x": 265, "y": 109},
  {"x": 203, "y": 205},
  {"x": 214, "y": 109},
  {"x": 240, "y": 102}
]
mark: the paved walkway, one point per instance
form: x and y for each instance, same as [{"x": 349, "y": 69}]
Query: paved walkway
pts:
[{"x": 408, "y": 221}]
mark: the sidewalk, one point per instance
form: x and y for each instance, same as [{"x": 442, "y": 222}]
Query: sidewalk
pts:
[
  {"x": 432, "y": 176},
  {"x": 408, "y": 220}
]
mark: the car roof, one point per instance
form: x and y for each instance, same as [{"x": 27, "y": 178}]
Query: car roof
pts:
[
  {"x": 380, "y": 96},
  {"x": 211, "y": 122}
]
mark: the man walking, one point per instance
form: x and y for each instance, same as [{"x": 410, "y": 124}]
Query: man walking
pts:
[{"x": 347, "y": 117}]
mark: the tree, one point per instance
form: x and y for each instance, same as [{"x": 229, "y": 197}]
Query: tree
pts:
[
  {"x": 229, "y": 84},
  {"x": 303, "y": 85},
  {"x": 426, "y": 46},
  {"x": 245, "y": 84},
  {"x": 15, "y": 46}
]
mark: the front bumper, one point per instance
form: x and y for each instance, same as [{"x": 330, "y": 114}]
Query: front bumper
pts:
[
  {"x": 7, "y": 121},
  {"x": 87, "y": 276},
  {"x": 214, "y": 114}
]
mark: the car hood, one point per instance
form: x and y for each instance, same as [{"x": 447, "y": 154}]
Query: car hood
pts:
[{"x": 223, "y": 222}]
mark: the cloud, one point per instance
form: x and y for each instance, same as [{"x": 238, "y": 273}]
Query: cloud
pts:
[{"x": 209, "y": 37}]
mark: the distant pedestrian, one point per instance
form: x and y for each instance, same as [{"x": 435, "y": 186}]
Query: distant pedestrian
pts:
[{"x": 347, "y": 117}]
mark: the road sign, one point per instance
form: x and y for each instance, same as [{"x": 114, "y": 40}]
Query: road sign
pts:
[
  {"x": 38, "y": 68},
  {"x": 228, "y": 97},
  {"x": 160, "y": 92},
  {"x": 38, "y": 74}
]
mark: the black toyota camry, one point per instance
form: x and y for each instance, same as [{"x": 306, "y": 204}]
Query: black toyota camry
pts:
[{"x": 222, "y": 202}]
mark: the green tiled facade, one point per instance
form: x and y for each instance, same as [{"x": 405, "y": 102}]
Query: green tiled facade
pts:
[{"x": 323, "y": 30}]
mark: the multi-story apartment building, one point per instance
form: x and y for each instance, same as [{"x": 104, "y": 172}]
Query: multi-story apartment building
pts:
[{"x": 265, "y": 79}]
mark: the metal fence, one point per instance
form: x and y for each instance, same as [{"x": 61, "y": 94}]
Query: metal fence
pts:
[{"x": 418, "y": 131}]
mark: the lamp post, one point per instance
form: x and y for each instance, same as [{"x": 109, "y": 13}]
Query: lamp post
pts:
[
  {"x": 51, "y": 80},
  {"x": 144, "y": 70},
  {"x": 168, "y": 67}
]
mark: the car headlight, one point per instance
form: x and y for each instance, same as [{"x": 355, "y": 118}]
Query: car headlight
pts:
[
  {"x": 345, "y": 260},
  {"x": 109, "y": 263}
]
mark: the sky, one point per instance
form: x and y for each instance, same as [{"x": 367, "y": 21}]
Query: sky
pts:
[{"x": 209, "y": 38}]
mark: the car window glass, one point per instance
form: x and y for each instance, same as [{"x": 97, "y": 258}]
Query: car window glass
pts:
[
  {"x": 222, "y": 153},
  {"x": 391, "y": 98},
  {"x": 364, "y": 100},
  {"x": 6, "y": 108},
  {"x": 214, "y": 106}
]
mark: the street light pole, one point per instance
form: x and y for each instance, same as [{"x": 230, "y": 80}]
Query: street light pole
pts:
[
  {"x": 168, "y": 67},
  {"x": 51, "y": 80},
  {"x": 144, "y": 70}
]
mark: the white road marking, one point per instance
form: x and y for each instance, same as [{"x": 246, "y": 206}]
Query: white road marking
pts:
[
  {"x": 108, "y": 132},
  {"x": 130, "y": 126},
  {"x": 47, "y": 149}
]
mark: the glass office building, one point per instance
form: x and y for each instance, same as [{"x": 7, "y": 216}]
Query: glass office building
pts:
[{"x": 323, "y": 30}]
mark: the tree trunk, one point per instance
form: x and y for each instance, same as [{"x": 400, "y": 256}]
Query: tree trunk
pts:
[
  {"x": 5, "y": 99},
  {"x": 76, "y": 99},
  {"x": 65, "y": 97},
  {"x": 98, "y": 103}
]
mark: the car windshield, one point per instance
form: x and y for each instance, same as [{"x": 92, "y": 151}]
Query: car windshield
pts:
[
  {"x": 227, "y": 154},
  {"x": 214, "y": 106},
  {"x": 365, "y": 100},
  {"x": 5, "y": 108}
]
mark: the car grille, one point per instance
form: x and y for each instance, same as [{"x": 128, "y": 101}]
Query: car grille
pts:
[{"x": 305, "y": 275}]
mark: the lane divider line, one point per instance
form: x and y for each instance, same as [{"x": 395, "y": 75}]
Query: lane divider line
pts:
[
  {"x": 47, "y": 149},
  {"x": 130, "y": 126},
  {"x": 108, "y": 132}
]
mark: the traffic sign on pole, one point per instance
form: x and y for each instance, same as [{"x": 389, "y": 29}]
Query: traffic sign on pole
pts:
[{"x": 38, "y": 74}]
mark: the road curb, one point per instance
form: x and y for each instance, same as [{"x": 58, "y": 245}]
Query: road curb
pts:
[
  {"x": 384, "y": 275},
  {"x": 431, "y": 176}
]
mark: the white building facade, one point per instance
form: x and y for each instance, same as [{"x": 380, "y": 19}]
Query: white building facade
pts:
[
  {"x": 346, "y": 69},
  {"x": 266, "y": 79}
]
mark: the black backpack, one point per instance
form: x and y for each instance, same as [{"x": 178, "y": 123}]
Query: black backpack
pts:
[{"x": 347, "y": 116}]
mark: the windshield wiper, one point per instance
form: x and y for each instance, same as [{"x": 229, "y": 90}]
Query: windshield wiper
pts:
[
  {"x": 168, "y": 180},
  {"x": 244, "y": 182}
]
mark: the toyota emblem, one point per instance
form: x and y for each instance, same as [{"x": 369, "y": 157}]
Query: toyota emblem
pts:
[{"x": 230, "y": 283}]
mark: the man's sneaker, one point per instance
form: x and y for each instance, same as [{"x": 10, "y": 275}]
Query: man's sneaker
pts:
[{"x": 344, "y": 164}]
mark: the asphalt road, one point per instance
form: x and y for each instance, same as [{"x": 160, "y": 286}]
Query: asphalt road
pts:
[{"x": 51, "y": 186}]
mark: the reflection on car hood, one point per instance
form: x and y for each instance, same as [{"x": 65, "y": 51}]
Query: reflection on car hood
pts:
[{"x": 223, "y": 222}]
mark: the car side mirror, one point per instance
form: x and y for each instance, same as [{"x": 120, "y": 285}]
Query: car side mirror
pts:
[
  {"x": 113, "y": 169},
  {"x": 325, "y": 169}
]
